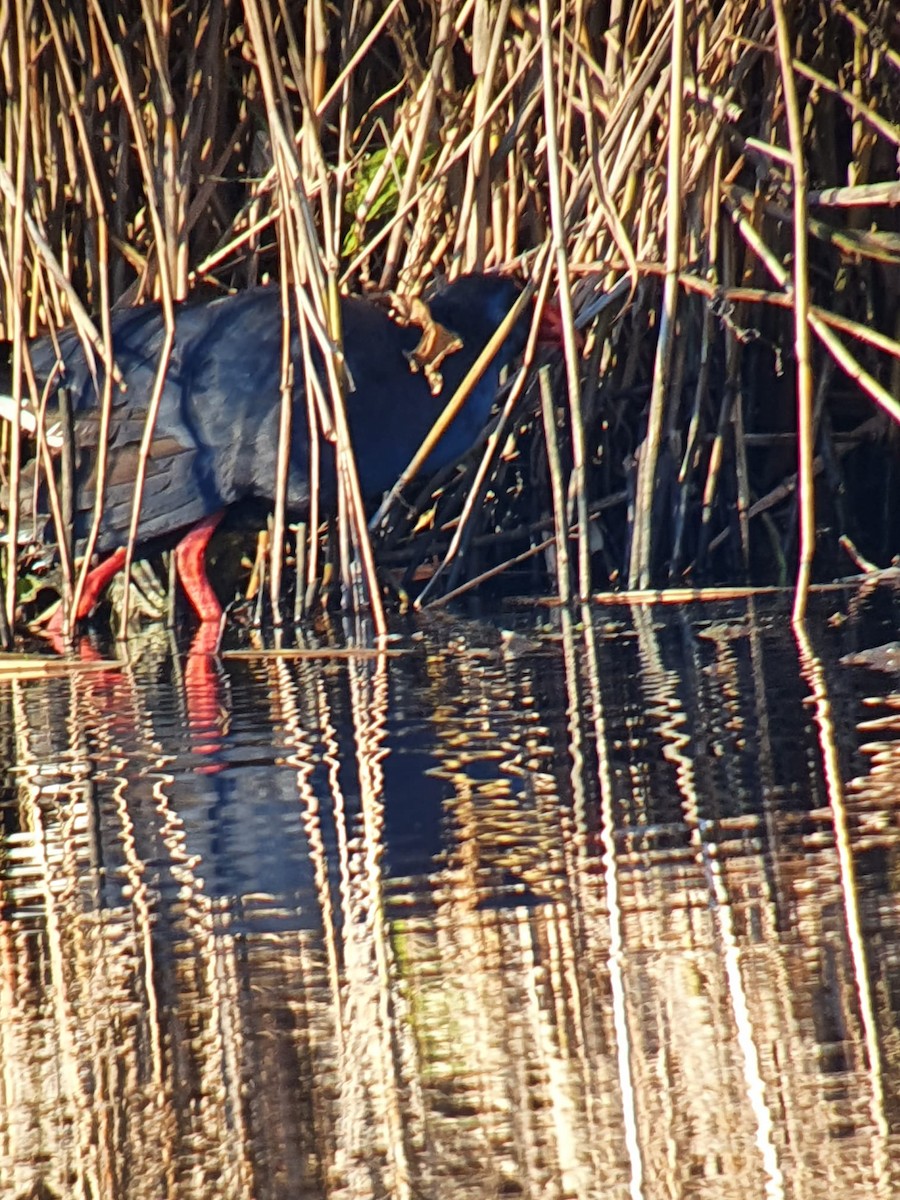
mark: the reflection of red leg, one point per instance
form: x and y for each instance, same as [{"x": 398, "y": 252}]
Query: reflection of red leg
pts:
[
  {"x": 189, "y": 562},
  {"x": 95, "y": 582},
  {"x": 203, "y": 691},
  {"x": 202, "y": 680}
]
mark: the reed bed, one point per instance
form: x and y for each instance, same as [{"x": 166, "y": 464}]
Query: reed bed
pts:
[{"x": 709, "y": 190}]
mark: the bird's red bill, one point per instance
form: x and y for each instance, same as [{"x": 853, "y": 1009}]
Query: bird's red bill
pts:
[{"x": 550, "y": 329}]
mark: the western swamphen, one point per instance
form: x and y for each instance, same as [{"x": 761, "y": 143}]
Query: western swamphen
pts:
[{"x": 215, "y": 440}]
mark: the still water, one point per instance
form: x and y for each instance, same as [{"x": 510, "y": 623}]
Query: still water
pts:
[{"x": 608, "y": 908}]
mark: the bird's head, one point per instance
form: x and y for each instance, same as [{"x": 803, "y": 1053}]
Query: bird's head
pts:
[{"x": 474, "y": 306}]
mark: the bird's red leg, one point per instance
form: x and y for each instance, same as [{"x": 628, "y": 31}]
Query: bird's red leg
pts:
[
  {"x": 189, "y": 563},
  {"x": 96, "y": 580},
  {"x": 201, "y": 676}
]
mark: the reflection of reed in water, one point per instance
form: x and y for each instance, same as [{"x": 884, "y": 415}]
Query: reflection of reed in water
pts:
[{"x": 620, "y": 956}]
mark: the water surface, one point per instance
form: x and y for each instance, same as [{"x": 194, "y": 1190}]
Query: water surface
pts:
[{"x": 606, "y": 908}]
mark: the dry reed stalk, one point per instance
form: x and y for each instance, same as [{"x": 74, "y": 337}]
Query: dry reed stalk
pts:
[
  {"x": 801, "y": 289},
  {"x": 558, "y": 226},
  {"x": 293, "y": 199},
  {"x": 729, "y": 297},
  {"x": 861, "y": 110},
  {"x": 465, "y": 528},
  {"x": 290, "y": 254},
  {"x": 285, "y": 419},
  {"x": 787, "y": 487},
  {"x": 711, "y": 253},
  {"x": 452, "y": 407},
  {"x": 15, "y": 194},
  {"x": 839, "y": 352},
  {"x": 733, "y": 365},
  {"x": 548, "y": 412},
  {"x": 491, "y": 573},
  {"x": 880, "y": 246},
  {"x": 471, "y": 234},
  {"x": 717, "y": 449},
  {"x": 451, "y": 154},
  {"x": 315, "y": 401},
  {"x": 71, "y": 596},
  {"x": 426, "y": 102},
  {"x": 642, "y": 538},
  {"x": 164, "y": 260}
]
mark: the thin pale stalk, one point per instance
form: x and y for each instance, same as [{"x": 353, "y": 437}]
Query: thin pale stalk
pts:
[
  {"x": 784, "y": 490},
  {"x": 623, "y": 156},
  {"x": 557, "y": 489},
  {"x": 46, "y": 461},
  {"x": 292, "y": 251},
  {"x": 463, "y": 533},
  {"x": 316, "y": 51},
  {"x": 805, "y": 430},
  {"x": 882, "y": 246},
  {"x": 600, "y": 179},
  {"x": 283, "y": 460},
  {"x": 717, "y": 449},
  {"x": 866, "y": 195},
  {"x": 634, "y": 85},
  {"x": 17, "y": 199},
  {"x": 492, "y": 573},
  {"x": 104, "y": 297},
  {"x": 79, "y": 313},
  {"x": 170, "y": 184},
  {"x": 640, "y": 565},
  {"x": 733, "y": 356},
  {"x": 114, "y": 52},
  {"x": 577, "y": 482},
  {"x": 449, "y": 156},
  {"x": 427, "y": 100},
  {"x": 860, "y": 26},
  {"x": 829, "y": 339},
  {"x": 703, "y": 374},
  {"x": 344, "y": 75},
  {"x": 453, "y": 406},
  {"x": 885, "y": 129},
  {"x": 266, "y": 182},
  {"x": 309, "y": 577},
  {"x": 615, "y": 27},
  {"x": 471, "y": 233},
  {"x": 293, "y": 197},
  {"x": 751, "y": 295}
]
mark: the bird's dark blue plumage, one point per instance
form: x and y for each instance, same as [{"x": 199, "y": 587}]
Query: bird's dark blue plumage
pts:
[
  {"x": 215, "y": 440},
  {"x": 216, "y": 435}
]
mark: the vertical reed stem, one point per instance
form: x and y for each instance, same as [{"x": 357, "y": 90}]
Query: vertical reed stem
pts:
[
  {"x": 558, "y": 225},
  {"x": 117, "y": 60},
  {"x": 642, "y": 543},
  {"x": 557, "y": 490},
  {"x": 805, "y": 431}
]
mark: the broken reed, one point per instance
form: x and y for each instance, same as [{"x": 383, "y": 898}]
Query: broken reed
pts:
[{"x": 149, "y": 150}]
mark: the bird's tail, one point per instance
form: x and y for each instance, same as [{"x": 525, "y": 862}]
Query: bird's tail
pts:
[
  {"x": 33, "y": 525},
  {"x": 28, "y": 422},
  {"x": 28, "y": 521},
  {"x": 8, "y": 413}
]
